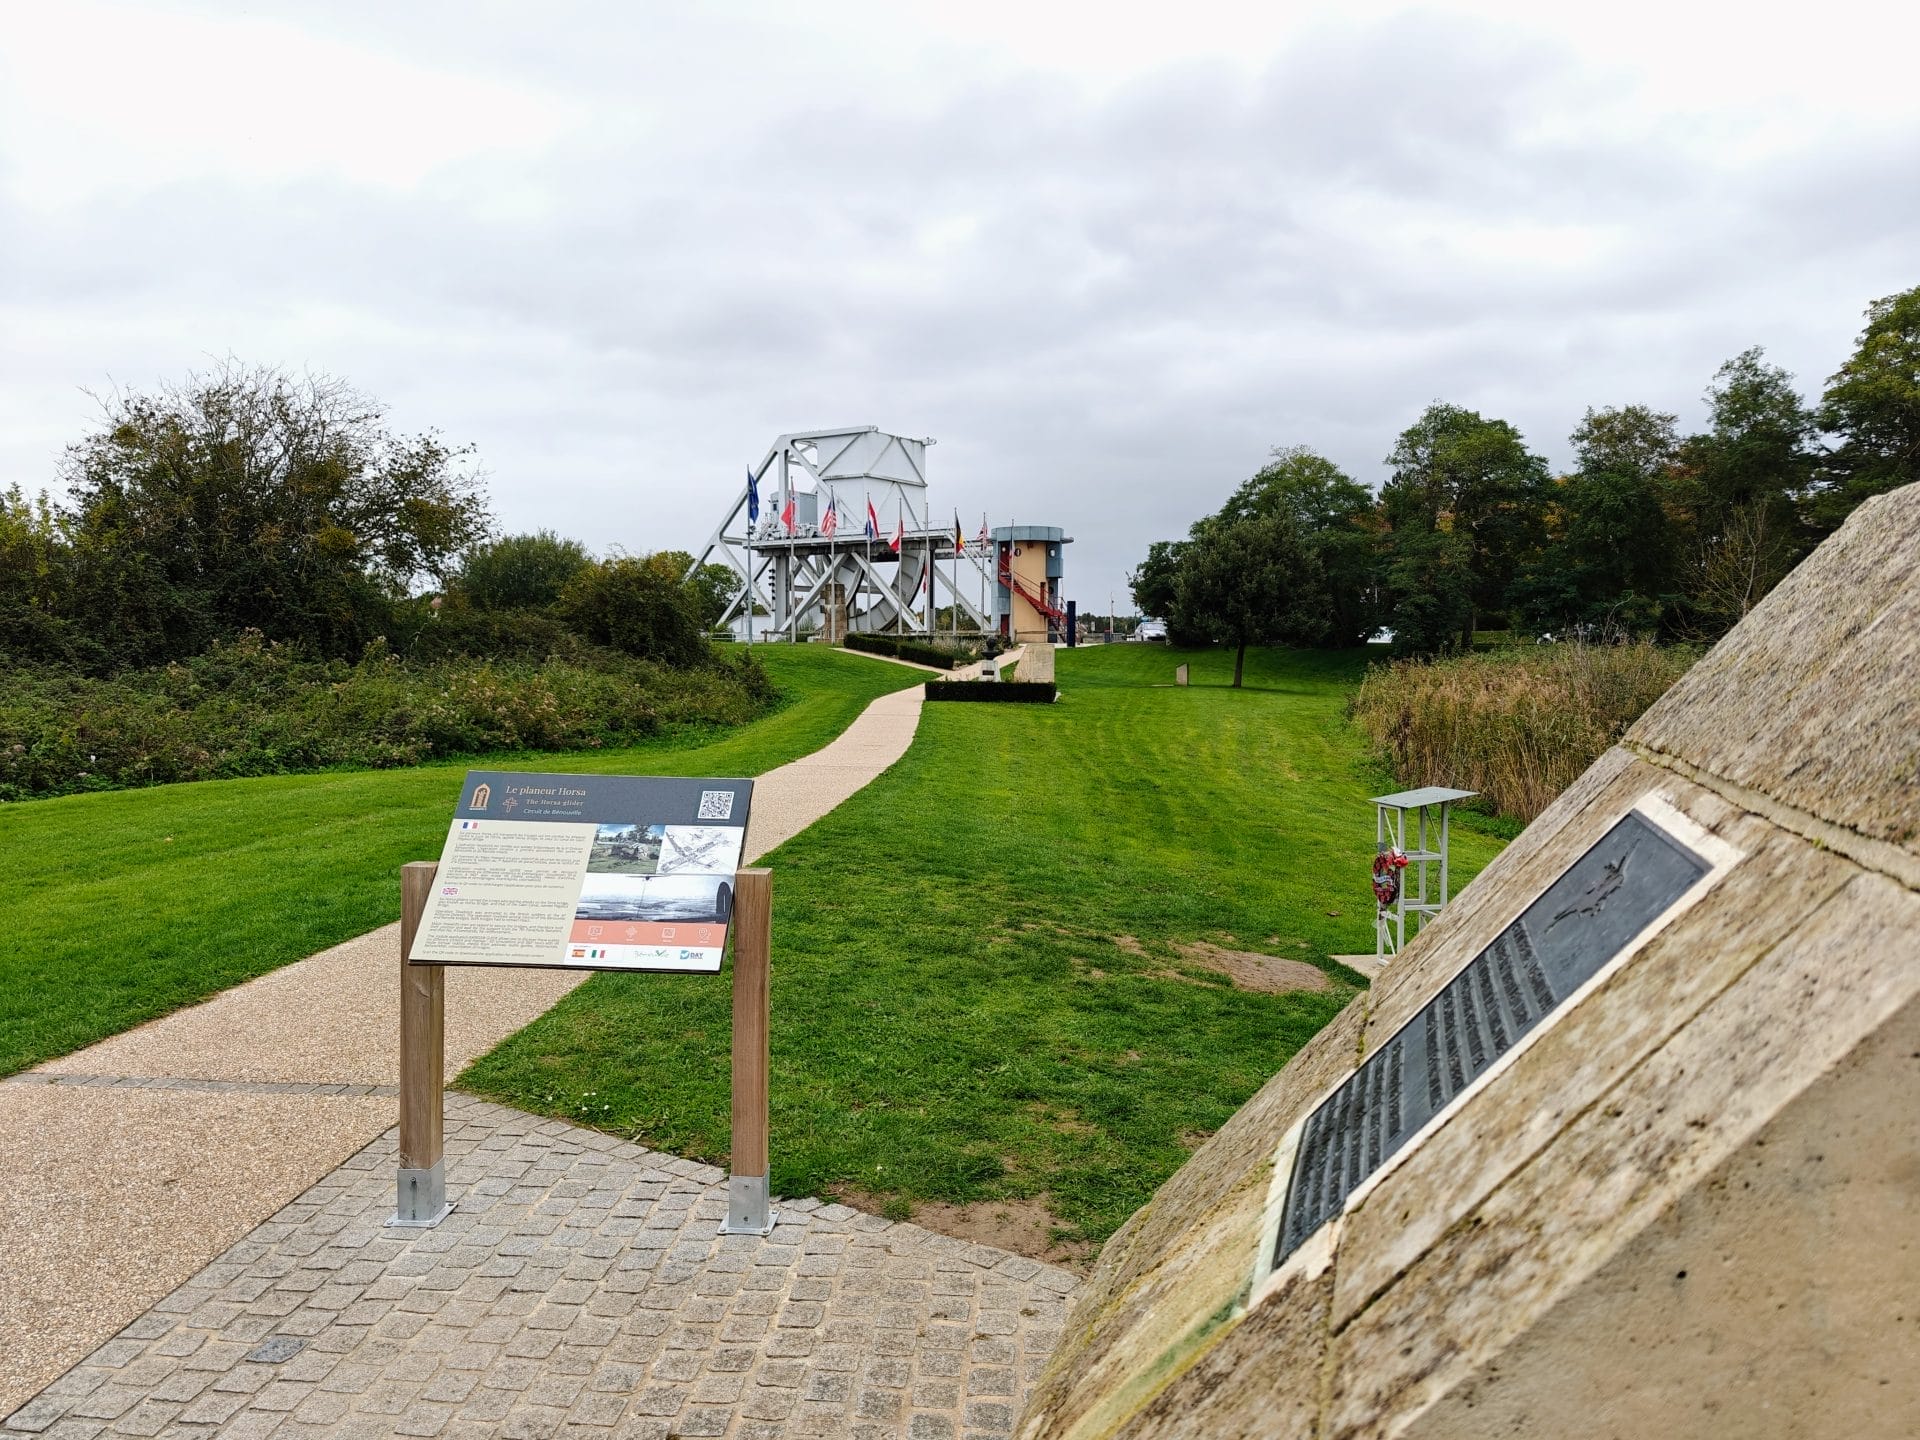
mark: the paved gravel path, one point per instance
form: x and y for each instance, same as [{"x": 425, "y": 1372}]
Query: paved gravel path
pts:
[{"x": 127, "y": 1167}]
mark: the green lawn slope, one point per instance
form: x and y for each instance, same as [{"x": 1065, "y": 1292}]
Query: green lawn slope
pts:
[
  {"x": 978, "y": 985},
  {"x": 123, "y": 906}
]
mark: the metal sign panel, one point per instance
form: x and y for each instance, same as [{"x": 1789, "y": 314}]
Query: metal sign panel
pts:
[
  {"x": 1592, "y": 913},
  {"x": 586, "y": 872}
]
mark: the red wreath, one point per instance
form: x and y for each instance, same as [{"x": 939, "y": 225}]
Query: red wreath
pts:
[{"x": 1387, "y": 866}]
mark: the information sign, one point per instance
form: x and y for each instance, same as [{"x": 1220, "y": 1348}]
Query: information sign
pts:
[{"x": 586, "y": 872}]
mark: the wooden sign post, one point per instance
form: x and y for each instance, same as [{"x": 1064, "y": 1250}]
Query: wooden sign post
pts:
[
  {"x": 749, "y": 1204},
  {"x": 422, "y": 1191}
]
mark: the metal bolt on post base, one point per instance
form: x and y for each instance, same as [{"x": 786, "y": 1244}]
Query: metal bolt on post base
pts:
[
  {"x": 749, "y": 1207},
  {"x": 420, "y": 1199}
]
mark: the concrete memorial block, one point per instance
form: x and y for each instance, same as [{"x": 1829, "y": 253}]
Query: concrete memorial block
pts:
[
  {"x": 1627, "y": 1142},
  {"x": 1180, "y": 675}
]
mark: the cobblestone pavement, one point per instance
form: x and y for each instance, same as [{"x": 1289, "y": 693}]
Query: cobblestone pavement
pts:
[{"x": 579, "y": 1288}]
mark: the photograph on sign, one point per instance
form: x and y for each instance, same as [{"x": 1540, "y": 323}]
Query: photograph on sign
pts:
[{"x": 589, "y": 872}]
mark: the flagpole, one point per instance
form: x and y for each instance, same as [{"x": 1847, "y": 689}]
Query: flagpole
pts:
[
  {"x": 786, "y": 504},
  {"x": 986, "y": 540},
  {"x": 752, "y": 505}
]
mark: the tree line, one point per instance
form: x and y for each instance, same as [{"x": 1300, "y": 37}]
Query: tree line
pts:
[
  {"x": 249, "y": 501},
  {"x": 1652, "y": 533}
]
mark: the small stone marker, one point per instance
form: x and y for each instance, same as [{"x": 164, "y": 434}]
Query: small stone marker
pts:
[{"x": 1180, "y": 676}]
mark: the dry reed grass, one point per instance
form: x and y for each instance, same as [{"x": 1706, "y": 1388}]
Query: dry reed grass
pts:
[{"x": 1519, "y": 725}]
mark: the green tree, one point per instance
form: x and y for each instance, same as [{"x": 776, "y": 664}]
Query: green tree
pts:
[
  {"x": 1429, "y": 575},
  {"x": 1613, "y": 558},
  {"x": 1249, "y": 582},
  {"x": 1338, "y": 518},
  {"x": 1748, "y": 480},
  {"x": 710, "y": 589},
  {"x": 520, "y": 572},
  {"x": 246, "y": 499},
  {"x": 1151, "y": 583},
  {"x": 1872, "y": 409},
  {"x": 36, "y": 584},
  {"x": 632, "y": 605},
  {"x": 1759, "y": 450},
  {"x": 1474, "y": 478}
]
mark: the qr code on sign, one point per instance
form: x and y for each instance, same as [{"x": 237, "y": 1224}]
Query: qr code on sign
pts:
[{"x": 716, "y": 805}]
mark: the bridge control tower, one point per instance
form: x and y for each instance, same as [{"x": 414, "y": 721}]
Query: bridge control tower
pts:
[{"x": 1029, "y": 563}]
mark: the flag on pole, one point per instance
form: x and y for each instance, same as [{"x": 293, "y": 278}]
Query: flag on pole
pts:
[
  {"x": 873, "y": 521},
  {"x": 959, "y": 540},
  {"x": 753, "y": 496},
  {"x": 830, "y": 522},
  {"x": 985, "y": 534},
  {"x": 899, "y": 532},
  {"x": 786, "y": 515}
]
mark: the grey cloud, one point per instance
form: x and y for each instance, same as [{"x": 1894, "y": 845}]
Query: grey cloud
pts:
[{"x": 1106, "y": 306}]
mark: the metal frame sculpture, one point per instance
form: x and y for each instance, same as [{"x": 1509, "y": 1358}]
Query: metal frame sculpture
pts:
[{"x": 1394, "y": 859}]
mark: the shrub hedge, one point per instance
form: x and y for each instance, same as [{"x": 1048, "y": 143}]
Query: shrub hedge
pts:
[
  {"x": 902, "y": 647},
  {"x": 253, "y": 707},
  {"x": 1004, "y": 692}
]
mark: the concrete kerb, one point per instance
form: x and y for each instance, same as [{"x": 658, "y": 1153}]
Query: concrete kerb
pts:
[{"x": 126, "y": 1167}]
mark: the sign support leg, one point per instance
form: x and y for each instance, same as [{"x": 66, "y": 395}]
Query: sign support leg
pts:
[
  {"x": 749, "y": 1204},
  {"x": 421, "y": 1192}
]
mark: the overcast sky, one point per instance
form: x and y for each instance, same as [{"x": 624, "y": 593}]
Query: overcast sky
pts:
[{"x": 1106, "y": 254}]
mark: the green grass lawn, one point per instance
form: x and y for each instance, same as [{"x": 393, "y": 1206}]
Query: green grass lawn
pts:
[
  {"x": 126, "y": 905},
  {"x": 976, "y": 987}
]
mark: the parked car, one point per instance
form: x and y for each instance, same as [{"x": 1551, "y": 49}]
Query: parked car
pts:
[{"x": 1151, "y": 630}]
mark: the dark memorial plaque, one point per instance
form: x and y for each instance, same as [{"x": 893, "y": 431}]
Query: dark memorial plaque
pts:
[
  {"x": 588, "y": 872},
  {"x": 1589, "y": 915}
]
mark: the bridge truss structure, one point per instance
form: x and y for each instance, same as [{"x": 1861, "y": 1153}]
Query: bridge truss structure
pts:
[{"x": 807, "y": 563}]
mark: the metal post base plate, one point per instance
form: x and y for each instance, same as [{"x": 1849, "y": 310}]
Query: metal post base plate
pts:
[
  {"x": 421, "y": 1198},
  {"x": 749, "y": 1207}
]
